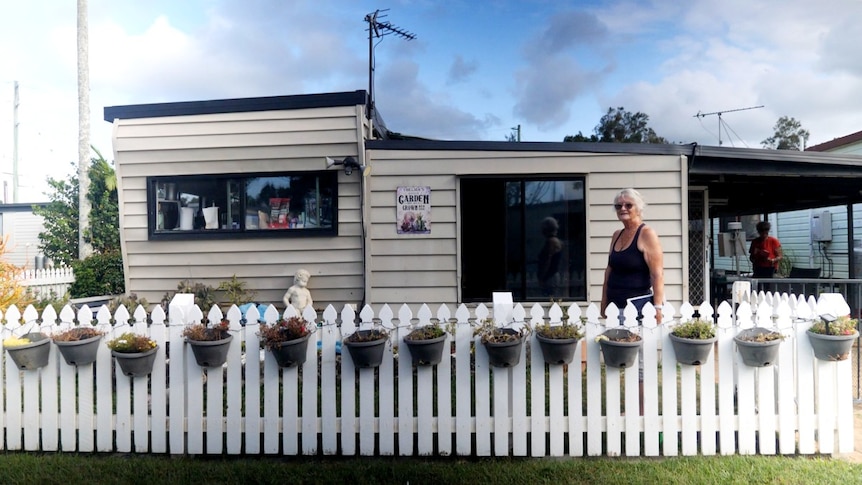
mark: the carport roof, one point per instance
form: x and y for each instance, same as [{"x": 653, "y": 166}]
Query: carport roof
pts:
[{"x": 740, "y": 180}]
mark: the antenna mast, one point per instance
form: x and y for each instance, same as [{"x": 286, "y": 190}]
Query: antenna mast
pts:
[
  {"x": 377, "y": 28},
  {"x": 719, "y": 113}
]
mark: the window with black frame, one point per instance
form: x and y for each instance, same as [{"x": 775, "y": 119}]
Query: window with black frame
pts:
[
  {"x": 523, "y": 235},
  {"x": 245, "y": 205}
]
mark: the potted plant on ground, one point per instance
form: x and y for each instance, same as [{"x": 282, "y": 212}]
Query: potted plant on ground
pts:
[
  {"x": 426, "y": 344},
  {"x": 502, "y": 344},
  {"x": 29, "y": 351},
  {"x": 758, "y": 346},
  {"x": 287, "y": 340},
  {"x": 209, "y": 344},
  {"x": 79, "y": 345},
  {"x": 366, "y": 346},
  {"x": 134, "y": 353},
  {"x": 692, "y": 341},
  {"x": 832, "y": 338},
  {"x": 620, "y": 347},
  {"x": 558, "y": 342}
]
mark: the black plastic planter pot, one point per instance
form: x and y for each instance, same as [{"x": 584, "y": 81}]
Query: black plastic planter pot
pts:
[
  {"x": 291, "y": 353},
  {"x": 136, "y": 364},
  {"x": 365, "y": 353},
  {"x": 79, "y": 352},
  {"x": 756, "y": 353},
  {"x": 505, "y": 354},
  {"x": 557, "y": 351},
  {"x": 211, "y": 353},
  {"x": 692, "y": 351},
  {"x": 33, "y": 355},
  {"x": 617, "y": 350},
  {"x": 426, "y": 351},
  {"x": 832, "y": 347}
]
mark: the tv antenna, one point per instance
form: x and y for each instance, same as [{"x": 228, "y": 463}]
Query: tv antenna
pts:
[
  {"x": 378, "y": 29},
  {"x": 719, "y": 113}
]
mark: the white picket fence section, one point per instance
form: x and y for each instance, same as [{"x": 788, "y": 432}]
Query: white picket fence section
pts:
[
  {"x": 798, "y": 406},
  {"x": 48, "y": 282}
]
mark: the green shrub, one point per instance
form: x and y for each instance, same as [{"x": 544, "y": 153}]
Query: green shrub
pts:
[{"x": 99, "y": 274}]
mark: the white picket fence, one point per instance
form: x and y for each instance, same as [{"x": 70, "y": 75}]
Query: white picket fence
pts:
[
  {"x": 48, "y": 282},
  {"x": 798, "y": 406}
]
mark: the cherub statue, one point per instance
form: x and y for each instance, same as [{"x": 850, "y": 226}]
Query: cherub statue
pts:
[{"x": 298, "y": 294}]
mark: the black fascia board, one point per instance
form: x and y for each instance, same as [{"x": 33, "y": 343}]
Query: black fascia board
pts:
[{"x": 238, "y": 105}]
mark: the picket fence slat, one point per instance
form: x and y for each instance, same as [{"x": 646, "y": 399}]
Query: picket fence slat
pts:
[{"x": 462, "y": 406}]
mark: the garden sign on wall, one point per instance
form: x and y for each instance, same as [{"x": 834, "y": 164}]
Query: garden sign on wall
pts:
[{"x": 414, "y": 210}]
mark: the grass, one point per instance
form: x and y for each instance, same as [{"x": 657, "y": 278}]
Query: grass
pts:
[{"x": 71, "y": 469}]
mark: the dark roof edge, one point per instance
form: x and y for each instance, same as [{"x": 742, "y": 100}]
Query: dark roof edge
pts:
[
  {"x": 21, "y": 206},
  {"x": 238, "y": 105},
  {"x": 836, "y": 142},
  {"x": 621, "y": 148}
]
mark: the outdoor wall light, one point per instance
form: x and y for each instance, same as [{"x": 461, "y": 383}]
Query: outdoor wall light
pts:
[{"x": 349, "y": 164}]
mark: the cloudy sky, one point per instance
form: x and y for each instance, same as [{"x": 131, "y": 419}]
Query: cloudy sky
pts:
[{"x": 475, "y": 70}]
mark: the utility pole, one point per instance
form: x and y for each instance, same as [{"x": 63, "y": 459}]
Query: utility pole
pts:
[
  {"x": 719, "y": 113},
  {"x": 517, "y": 130},
  {"x": 14, "y": 145}
]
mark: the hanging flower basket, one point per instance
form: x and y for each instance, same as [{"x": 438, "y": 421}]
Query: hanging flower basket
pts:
[
  {"x": 758, "y": 346},
  {"x": 79, "y": 345},
  {"x": 833, "y": 341},
  {"x": 136, "y": 364},
  {"x": 29, "y": 351},
  {"x": 691, "y": 351},
  {"x": 505, "y": 350},
  {"x": 211, "y": 353},
  {"x": 287, "y": 340},
  {"x": 134, "y": 353},
  {"x": 426, "y": 345},
  {"x": 290, "y": 353},
  {"x": 558, "y": 342},
  {"x": 366, "y": 347},
  {"x": 619, "y": 347}
]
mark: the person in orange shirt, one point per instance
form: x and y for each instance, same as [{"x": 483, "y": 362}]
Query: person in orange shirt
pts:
[{"x": 764, "y": 252}]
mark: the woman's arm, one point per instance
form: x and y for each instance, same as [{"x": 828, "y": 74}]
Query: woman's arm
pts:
[{"x": 654, "y": 257}]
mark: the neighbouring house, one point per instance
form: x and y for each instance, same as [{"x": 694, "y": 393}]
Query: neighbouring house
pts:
[
  {"x": 818, "y": 238},
  {"x": 21, "y": 226},
  {"x": 261, "y": 187}
]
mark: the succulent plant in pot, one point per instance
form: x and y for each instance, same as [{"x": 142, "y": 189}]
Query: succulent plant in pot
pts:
[
  {"x": 503, "y": 344},
  {"x": 134, "y": 353},
  {"x": 619, "y": 346},
  {"x": 692, "y": 341},
  {"x": 758, "y": 346},
  {"x": 426, "y": 344},
  {"x": 832, "y": 337},
  {"x": 79, "y": 345},
  {"x": 29, "y": 351},
  {"x": 366, "y": 346},
  {"x": 287, "y": 339},
  {"x": 210, "y": 344},
  {"x": 558, "y": 342}
]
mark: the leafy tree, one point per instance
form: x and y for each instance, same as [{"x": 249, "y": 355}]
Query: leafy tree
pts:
[
  {"x": 59, "y": 240},
  {"x": 620, "y": 126},
  {"x": 789, "y": 135},
  {"x": 580, "y": 137}
]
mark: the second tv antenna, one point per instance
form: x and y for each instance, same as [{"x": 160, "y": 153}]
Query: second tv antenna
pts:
[
  {"x": 719, "y": 113},
  {"x": 378, "y": 29}
]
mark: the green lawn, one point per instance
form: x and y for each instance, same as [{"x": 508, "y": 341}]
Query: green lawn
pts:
[{"x": 70, "y": 469}]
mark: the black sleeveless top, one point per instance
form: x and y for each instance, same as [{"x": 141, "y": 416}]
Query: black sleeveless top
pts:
[{"x": 629, "y": 272}]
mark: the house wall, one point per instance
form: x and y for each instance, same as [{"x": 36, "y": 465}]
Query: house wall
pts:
[
  {"x": 243, "y": 142},
  {"x": 426, "y": 268},
  {"x": 22, "y": 227}
]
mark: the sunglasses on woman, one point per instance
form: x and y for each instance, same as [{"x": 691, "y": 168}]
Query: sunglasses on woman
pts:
[{"x": 627, "y": 205}]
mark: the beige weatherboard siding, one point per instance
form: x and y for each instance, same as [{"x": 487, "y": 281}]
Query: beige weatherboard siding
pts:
[
  {"x": 418, "y": 269},
  {"x": 277, "y": 140}
]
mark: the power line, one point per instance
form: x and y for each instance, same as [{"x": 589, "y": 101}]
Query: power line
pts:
[{"x": 719, "y": 113}]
